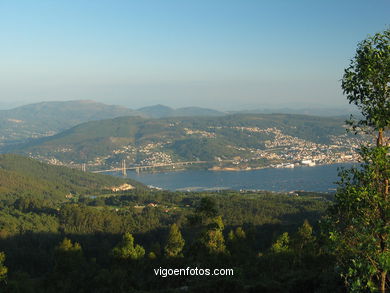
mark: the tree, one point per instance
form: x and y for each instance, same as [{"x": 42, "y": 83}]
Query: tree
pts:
[
  {"x": 238, "y": 244},
  {"x": 205, "y": 212},
  {"x": 281, "y": 244},
  {"x": 359, "y": 219},
  {"x": 366, "y": 82},
  {"x": 207, "y": 207},
  {"x": 175, "y": 242},
  {"x": 68, "y": 256},
  {"x": 127, "y": 250},
  {"x": 3, "y": 268},
  {"x": 213, "y": 239},
  {"x": 304, "y": 239}
]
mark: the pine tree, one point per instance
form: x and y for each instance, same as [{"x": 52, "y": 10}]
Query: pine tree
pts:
[
  {"x": 127, "y": 250},
  {"x": 304, "y": 238},
  {"x": 213, "y": 239},
  {"x": 175, "y": 242}
]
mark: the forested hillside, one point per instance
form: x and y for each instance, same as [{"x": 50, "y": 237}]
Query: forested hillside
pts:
[
  {"x": 21, "y": 176},
  {"x": 112, "y": 241}
]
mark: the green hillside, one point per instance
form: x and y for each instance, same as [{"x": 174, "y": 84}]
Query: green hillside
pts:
[
  {"x": 47, "y": 118},
  {"x": 138, "y": 139},
  {"x": 25, "y": 176}
]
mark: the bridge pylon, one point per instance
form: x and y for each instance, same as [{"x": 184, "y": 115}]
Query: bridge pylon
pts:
[{"x": 124, "y": 173}]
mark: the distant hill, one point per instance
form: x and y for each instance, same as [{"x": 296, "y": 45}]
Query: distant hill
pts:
[
  {"x": 44, "y": 119},
  {"x": 157, "y": 111},
  {"x": 186, "y": 138},
  {"x": 48, "y": 118},
  {"x": 320, "y": 111},
  {"x": 24, "y": 176},
  {"x": 160, "y": 111}
]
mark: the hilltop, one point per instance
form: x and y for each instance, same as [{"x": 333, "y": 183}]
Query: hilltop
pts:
[{"x": 48, "y": 118}]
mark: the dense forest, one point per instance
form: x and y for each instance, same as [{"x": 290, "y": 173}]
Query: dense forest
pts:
[{"x": 104, "y": 241}]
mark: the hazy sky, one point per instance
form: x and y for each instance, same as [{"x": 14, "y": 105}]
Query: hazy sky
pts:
[{"x": 213, "y": 53}]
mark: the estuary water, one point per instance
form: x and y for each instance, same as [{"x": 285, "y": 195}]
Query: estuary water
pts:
[{"x": 317, "y": 178}]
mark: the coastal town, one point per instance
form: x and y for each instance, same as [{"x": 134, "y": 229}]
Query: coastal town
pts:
[{"x": 279, "y": 151}]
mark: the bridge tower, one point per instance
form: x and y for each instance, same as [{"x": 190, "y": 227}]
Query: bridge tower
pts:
[{"x": 124, "y": 173}]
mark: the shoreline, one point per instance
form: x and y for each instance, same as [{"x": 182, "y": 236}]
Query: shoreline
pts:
[{"x": 238, "y": 169}]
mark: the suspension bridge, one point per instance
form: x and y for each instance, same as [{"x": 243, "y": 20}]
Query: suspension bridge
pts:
[{"x": 123, "y": 168}]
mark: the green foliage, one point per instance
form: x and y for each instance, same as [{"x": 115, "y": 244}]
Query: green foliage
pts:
[
  {"x": 3, "y": 268},
  {"x": 282, "y": 244},
  {"x": 240, "y": 233},
  {"x": 25, "y": 176},
  {"x": 359, "y": 220},
  {"x": 175, "y": 242},
  {"x": 13, "y": 222},
  {"x": 238, "y": 244},
  {"x": 67, "y": 246},
  {"x": 202, "y": 149},
  {"x": 214, "y": 242},
  {"x": 32, "y": 226},
  {"x": 68, "y": 256},
  {"x": 366, "y": 80},
  {"x": 127, "y": 250},
  {"x": 216, "y": 224},
  {"x": 152, "y": 255},
  {"x": 212, "y": 239},
  {"x": 304, "y": 239}
]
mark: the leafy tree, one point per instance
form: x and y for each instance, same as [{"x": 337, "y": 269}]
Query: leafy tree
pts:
[
  {"x": 68, "y": 255},
  {"x": 281, "y": 244},
  {"x": 359, "y": 222},
  {"x": 237, "y": 244},
  {"x": 175, "y": 242},
  {"x": 127, "y": 250},
  {"x": 236, "y": 235},
  {"x": 3, "y": 268},
  {"x": 304, "y": 238},
  {"x": 366, "y": 82},
  {"x": 359, "y": 219},
  {"x": 207, "y": 207},
  {"x": 204, "y": 212},
  {"x": 214, "y": 242},
  {"x": 213, "y": 239}
]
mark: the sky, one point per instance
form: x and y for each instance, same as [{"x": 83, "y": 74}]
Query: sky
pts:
[{"x": 222, "y": 54}]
